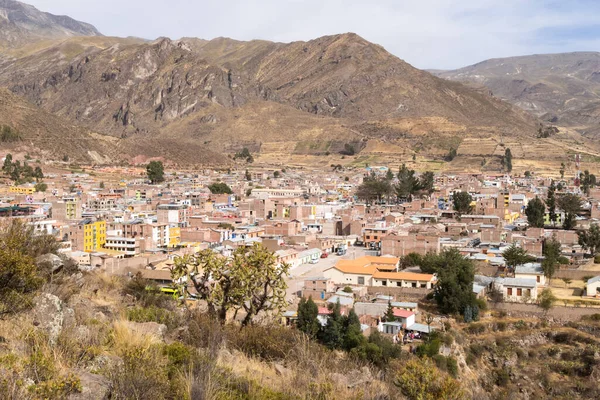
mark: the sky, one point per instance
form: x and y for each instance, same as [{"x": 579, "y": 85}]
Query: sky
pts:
[{"x": 429, "y": 34}]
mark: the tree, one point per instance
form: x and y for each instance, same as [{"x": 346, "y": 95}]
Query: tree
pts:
[
  {"x": 535, "y": 212},
  {"x": 462, "y": 203},
  {"x": 515, "y": 255},
  {"x": 562, "y": 170},
  {"x": 307, "y": 317},
  {"x": 40, "y": 187},
  {"x": 454, "y": 290},
  {"x": 590, "y": 239},
  {"x": 7, "y": 167},
  {"x": 220, "y": 188},
  {"x": 551, "y": 203},
  {"x": 389, "y": 175},
  {"x": 426, "y": 182},
  {"x": 389, "y": 313},
  {"x": 331, "y": 335},
  {"x": 567, "y": 282},
  {"x": 451, "y": 155},
  {"x": 156, "y": 172},
  {"x": 37, "y": 173},
  {"x": 587, "y": 181},
  {"x": 408, "y": 184},
  {"x": 250, "y": 280},
  {"x": 373, "y": 188},
  {"x": 248, "y": 175},
  {"x": 551, "y": 252},
  {"x": 571, "y": 205},
  {"x": 352, "y": 331},
  {"x": 546, "y": 299},
  {"x": 507, "y": 160},
  {"x": 276, "y": 174},
  {"x": 419, "y": 379}
]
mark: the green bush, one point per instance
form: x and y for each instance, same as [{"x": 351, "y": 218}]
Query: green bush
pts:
[
  {"x": 501, "y": 377},
  {"x": 153, "y": 314},
  {"x": 452, "y": 366},
  {"x": 563, "y": 260},
  {"x": 429, "y": 349},
  {"x": 501, "y": 326},
  {"x": 475, "y": 328}
]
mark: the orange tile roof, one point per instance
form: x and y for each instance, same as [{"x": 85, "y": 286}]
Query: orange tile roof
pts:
[
  {"x": 406, "y": 276},
  {"x": 365, "y": 265}
]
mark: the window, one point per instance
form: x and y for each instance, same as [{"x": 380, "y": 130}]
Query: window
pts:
[
  {"x": 519, "y": 292},
  {"x": 509, "y": 291},
  {"x": 383, "y": 283},
  {"x": 399, "y": 284},
  {"x": 538, "y": 278},
  {"x": 368, "y": 237},
  {"x": 414, "y": 284},
  {"x": 361, "y": 280}
]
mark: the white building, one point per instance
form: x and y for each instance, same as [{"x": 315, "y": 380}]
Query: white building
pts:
[
  {"x": 531, "y": 271},
  {"x": 517, "y": 289},
  {"x": 593, "y": 287}
]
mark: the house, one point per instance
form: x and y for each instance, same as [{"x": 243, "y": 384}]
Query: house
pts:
[
  {"x": 517, "y": 289},
  {"x": 361, "y": 270},
  {"x": 318, "y": 288},
  {"x": 310, "y": 256},
  {"x": 407, "y": 318},
  {"x": 593, "y": 287},
  {"x": 403, "y": 279},
  {"x": 531, "y": 271}
]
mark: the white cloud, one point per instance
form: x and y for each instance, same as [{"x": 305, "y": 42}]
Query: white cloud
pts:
[{"x": 426, "y": 33}]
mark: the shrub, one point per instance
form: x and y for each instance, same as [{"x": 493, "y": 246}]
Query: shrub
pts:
[
  {"x": 520, "y": 325},
  {"x": 429, "y": 349},
  {"x": 452, "y": 366},
  {"x": 475, "y": 328},
  {"x": 501, "y": 377},
  {"x": 501, "y": 326},
  {"x": 563, "y": 260},
  {"x": 153, "y": 314}
]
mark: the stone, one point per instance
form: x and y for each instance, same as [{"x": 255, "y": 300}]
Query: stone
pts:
[
  {"x": 55, "y": 262},
  {"x": 93, "y": 387},
  {"x": 281, "y": 370},
  {"x": 50, "y": 315},
  {"x": 148, "y": 328}
]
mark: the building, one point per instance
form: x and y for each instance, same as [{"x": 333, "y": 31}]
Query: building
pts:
[
  {"x": 517, "y": 289},
  {"x": 531, "y": 271},
  {"x": 401, "y": 245},
  {"x": 88, "y": 235},
  {"x": 403, "y": 279},
  {"x": 173, "y": 214},
  {"x": 126, "y": 245},
  {"x": 319, "y": 288},
  {"x": 361, "y": 270},
  {"x": 592, "y": 287}
]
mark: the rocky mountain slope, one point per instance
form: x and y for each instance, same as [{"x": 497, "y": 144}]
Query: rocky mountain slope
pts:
[
  {"x": 22, "y": 23},
  {"x": 562, "y": 89},
  {"x": 194, "y": 101}
]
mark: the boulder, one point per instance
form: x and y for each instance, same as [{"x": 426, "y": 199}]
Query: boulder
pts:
[
  {"x": 50, "y": 315},
  {"x": 148, "y": 328},
  {"x": 93, "y": 387},
  {"x": 54, "y": 261}
]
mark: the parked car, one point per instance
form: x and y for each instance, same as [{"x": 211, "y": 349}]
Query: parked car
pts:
[{"x": 324, "y": 255}]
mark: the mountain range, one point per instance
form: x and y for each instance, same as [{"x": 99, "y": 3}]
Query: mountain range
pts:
[{"x": 196, "y": 102}]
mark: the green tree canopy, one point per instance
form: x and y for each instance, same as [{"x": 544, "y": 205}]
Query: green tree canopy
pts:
[
  {"x": 408, "y": 184},
  {"x": 515, "y": 255},
  {"x": 507, "y": 160},
  {"x": 251, "y": 280},
  {"x": 155, "y": 171},
  {"x": 220, "y": 188},
  {"x": 454, "y": 290},
  {"x": 552, "y": 253},
  {"x": 551, "y": 203},
  {"x": 590, "y": 239},
  {"x": 462, "y": 202},
  {"x": 571, "y": 205},
  {"x": 535, "y": 212},
  {"x": 426, "y": 182},
  {"x": 307, "y": 317},
  {"x": 373, "y": 188}
]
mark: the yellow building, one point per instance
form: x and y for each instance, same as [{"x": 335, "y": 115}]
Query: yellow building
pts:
[
  {"x": 174, "y": 236},
  {"x": 94, "y": 235},
  {"x": 22, "y": 189}
]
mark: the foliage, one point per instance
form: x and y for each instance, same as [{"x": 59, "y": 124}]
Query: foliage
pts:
[
  {"x": 226, "y": 225},
  {"x": 251, "y": 280},
  {"x": 307, "y": 317},
  {"x": 546, "y": 299},
  {"x": 571, "y": 205},
  {"x": 156, "y": 172},
  {"x": 21, "y": 173},
  {"x": 552, "y": 253},
  {"x": 590, "y": 239},
  {"x": 220, "y": 188},
  {"x": 426, "y": 181},
  {"x": 348, "y": 150},
  {"x": 454, "y": 290},
  {"x": 507, "y": 160},
  {"x": 389, "y": 313},
  {"x": 153, "y": 314},
  {"x": 373, "y": 188},
  {"x": 40, "y": 187},
  {"x": 587, "y": 181},
  {"x": 546, "y": 131},
  {"x": 462, "y": 202},
  {"x": 411, "y": 260},
  {"x": 551, "y": 203},
  {"x": 515, "y": 255},
  {"x": 9, "y": 135},
  {"x": 451, "y": 155},
  {"x": 244, "y": 154},
  {"x": 419, "y": 380},
  {"x": 562, "y": 170},
  {"x": 408, "y": 184},
  {"x": 535, "y": 213},
  {"x": 276, "y": 174}
]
